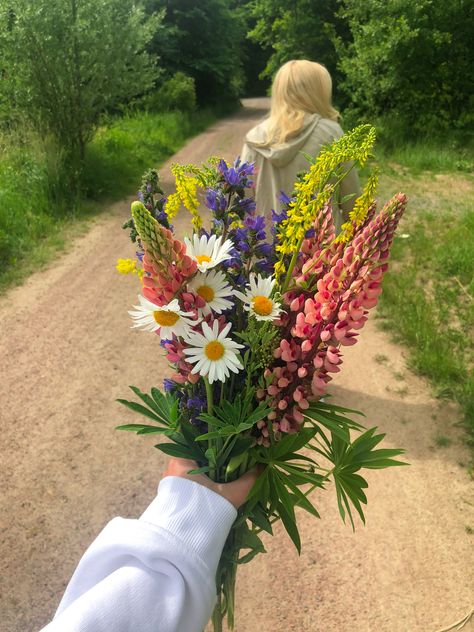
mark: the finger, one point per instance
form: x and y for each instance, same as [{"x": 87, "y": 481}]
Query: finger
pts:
[{"x": 179, "y": 467}]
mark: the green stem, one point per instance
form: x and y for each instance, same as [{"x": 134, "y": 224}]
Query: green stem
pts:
[
  {"x": 291, "y": 266},
  {"x": 210, "y": 409},
  {"x": 210, "y": 396},
  {"x": 217, "y": 614}
]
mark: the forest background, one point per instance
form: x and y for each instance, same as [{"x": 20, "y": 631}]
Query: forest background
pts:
[{"x": 93, "y": 92}]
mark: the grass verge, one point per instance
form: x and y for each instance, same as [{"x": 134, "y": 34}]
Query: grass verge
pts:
[
  {"x": 428, "y": 298},
  {"x": 36, "y": 209}
]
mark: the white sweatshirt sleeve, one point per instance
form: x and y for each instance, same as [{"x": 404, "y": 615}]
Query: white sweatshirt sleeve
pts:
[{"x": 155, "y": 574}]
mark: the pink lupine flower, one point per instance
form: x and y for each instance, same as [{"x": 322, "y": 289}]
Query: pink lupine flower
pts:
[{"x": 335, "y": 285}]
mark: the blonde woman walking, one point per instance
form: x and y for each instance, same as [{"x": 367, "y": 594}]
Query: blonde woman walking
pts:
[{"x": 302, "y": 120}]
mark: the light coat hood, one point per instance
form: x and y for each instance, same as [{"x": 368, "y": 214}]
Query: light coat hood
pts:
[{"x": 280, "y": 155}]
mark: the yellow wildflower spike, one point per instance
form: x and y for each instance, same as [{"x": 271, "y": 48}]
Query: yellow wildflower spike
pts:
[
  {"x": 318, "y": 185},
  {"x": 360, "y": 209},
  {"x": 186, "y": 192},
  {"x": 126, "y": 266}
]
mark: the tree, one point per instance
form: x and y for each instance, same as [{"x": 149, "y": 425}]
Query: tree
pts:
[
  {"x": 201, "y": 39},
  {"x": 411, "y": 60},
  {"x": 302, "y": 29},
  {"x": 65, "y": 62}
]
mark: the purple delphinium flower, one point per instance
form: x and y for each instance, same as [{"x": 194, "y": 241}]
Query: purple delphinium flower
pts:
[
  {"x": 256, "y": 223},
  {"x": 215, "y": 200},
  {"x": 244, "y": 205},
  {"x": 168, "y": 385},
  {"x": 284, "y": 198},
  {"x": 237, "y": 175},
  {"x": 264, "y": 266},
  {"x": 192, "y": 406}
]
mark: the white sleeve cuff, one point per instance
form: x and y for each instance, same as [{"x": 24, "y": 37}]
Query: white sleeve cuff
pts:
[{"x": 197, "y": 516}]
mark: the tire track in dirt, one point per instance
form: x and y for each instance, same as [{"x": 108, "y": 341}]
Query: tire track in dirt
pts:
[{"x": 67, "y": 352}]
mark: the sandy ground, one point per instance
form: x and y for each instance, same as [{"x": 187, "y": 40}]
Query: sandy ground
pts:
[{"x": 67, "y": 352}]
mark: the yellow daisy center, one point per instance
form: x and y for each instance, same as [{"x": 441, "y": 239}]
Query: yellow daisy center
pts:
[
  {"x": 214, "y": 350},
  {"x": 262, "y": 305},
  {"x": 206, "y": 292},
  {"x": 203, "y": 259},
  {"x": 165, "y": 319}
]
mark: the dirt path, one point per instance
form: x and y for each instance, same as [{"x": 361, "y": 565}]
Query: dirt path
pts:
[{"x": 67, "y": 352}]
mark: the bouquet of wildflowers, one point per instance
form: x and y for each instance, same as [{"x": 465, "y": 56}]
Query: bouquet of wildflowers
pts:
[{"x": 253, "y": 314}]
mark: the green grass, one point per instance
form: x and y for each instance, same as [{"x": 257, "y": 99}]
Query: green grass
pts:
[
  {"x": 433, "y": 152},
  {"x": 428, "y": 297},
  {"x": 442, "y": 441},
  {"x": 37, "y": 211}
]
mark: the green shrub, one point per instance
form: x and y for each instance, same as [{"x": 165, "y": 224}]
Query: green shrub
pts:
[{"x": 176, "y": 93}]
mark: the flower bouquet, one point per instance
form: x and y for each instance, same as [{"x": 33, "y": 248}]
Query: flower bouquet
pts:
[{"x": 253, "y": 315}]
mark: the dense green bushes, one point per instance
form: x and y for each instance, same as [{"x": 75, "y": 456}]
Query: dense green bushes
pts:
[
  {"x": 65, "y": 62},
  {"x": 408, "y": 62}
]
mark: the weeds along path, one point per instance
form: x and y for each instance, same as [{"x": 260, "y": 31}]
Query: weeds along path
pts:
[{"x": 67, "y": 352}]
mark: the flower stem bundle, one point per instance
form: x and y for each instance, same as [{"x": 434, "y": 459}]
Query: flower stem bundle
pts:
[{"x": 254, "y": 316}]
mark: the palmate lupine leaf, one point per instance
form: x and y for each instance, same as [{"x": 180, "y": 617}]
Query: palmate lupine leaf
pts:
[
  {"x": 160, "y": 408},
  {"x": 348, "y": 460},
  {"x": 334, "y": 418}
]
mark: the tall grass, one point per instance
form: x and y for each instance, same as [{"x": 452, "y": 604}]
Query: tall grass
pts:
[
  {"x": 428, "y": 298},
  {"x": 432, "y": 152},
  {"x": 36, "y": 204}
]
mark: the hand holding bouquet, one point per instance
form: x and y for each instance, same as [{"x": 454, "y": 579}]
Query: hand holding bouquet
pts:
[{"x": 253, "y": 316}]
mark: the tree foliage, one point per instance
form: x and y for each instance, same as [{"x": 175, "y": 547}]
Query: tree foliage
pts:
[
  {"x": 201, "y": 39},
  {"x": 411, "y": 60},
  {"x": 64, "y": 62},
  {"x": 303, "y": 29}
]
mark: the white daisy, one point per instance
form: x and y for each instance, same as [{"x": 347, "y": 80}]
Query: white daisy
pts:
[
  {"x": 257, "y": 299},
  {"x": 214, "y": 289},
  {"x": 214, "y": 354},
  {"x": 168, "y": 319},
  {"x": 208, "y": 252}
]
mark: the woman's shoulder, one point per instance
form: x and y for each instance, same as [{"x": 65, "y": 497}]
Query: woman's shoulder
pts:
[
  {"x": 257, "y": 134},
  {"x": 328, "y": 130}
]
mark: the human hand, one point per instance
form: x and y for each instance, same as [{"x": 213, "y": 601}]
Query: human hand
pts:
[{"x": 235, "y": 492}]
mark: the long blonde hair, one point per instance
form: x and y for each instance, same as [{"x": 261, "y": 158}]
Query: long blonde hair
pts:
[{"x": 300, "y": 87}]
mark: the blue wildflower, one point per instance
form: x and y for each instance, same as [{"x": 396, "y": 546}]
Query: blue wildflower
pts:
[
  {"x": 215, "y": 200},
  {"x": 168, "y": 385},
  {"x": 284, "y": 198},
  {"x": 244, "y": 205},
  {"x": 264, "y": 250},
  {"x": 238, "y": 174}
]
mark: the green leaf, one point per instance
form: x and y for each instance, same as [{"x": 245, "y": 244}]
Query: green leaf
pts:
[
  {"x": 180, "y": 451},
  {"x": 138, "y": 408},
  {"x": 320, "y": 405},
  {"x": 200, "y": 470},
  {"x": 137, "y": 427},
  {"x": 259, "y": 517},
  {"x": 290, "y": 525},
  {"x": 303, "y": 475},
  {"x": 301, "y": 500},
  {"x": 149, "y": 401}
]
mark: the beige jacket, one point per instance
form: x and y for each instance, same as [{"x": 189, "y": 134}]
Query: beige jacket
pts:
[{"x": 277, "y": 166}]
